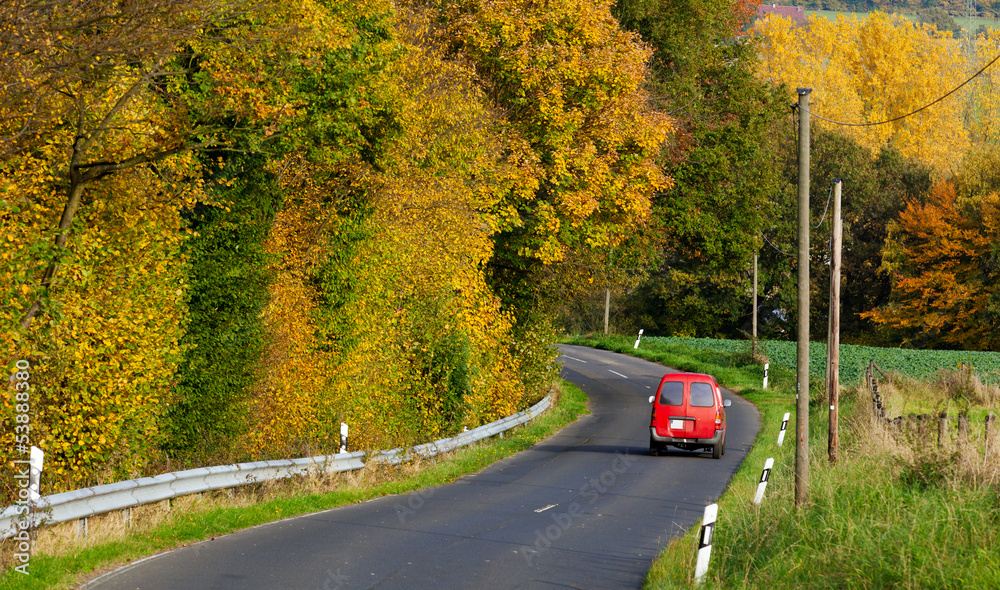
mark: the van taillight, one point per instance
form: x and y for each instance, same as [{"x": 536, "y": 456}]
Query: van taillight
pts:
[{"x": 718, "y": 419}]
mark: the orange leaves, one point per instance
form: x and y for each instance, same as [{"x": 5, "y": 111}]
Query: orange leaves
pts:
[{"x": 937, "y": 253}]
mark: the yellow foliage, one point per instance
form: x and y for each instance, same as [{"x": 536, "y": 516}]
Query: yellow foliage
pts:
[
  {"x": 103, "y": 360},
  {"x": 571, "y": 80},
  {"x": 286, "y": 408},
  {"x": 985, "y": 107},
  {"x": 871, "y": 70},
  {"x": 434, "y": 215}
]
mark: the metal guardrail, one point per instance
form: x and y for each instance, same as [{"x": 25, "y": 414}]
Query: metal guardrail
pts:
[{"x": 87, "y": 502}]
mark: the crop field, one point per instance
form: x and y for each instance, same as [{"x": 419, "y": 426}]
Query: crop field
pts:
[{"x": 854, "y": 359}]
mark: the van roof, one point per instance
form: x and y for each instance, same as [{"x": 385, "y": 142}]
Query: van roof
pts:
[{"x": 688, "y": 375}]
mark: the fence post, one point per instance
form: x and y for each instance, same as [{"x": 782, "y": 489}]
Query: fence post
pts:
[
  {"x": 705, "y": 541},
  {"x": 988, "y": 436},
  {"x": 963, "y": 429},
  {"x": 923, "y": 425},
  {"x": 943, "y": 430}
]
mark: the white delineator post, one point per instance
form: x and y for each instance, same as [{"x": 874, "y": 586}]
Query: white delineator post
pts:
[
  {"x": 766, "y": 366},
  {"x": 36, "y": 461},
  {"x": 343, "y": 437},
  {"x": 784, "y": 426},
  {"x": 705, "y": 541},
  {"x": 759, "y": 496},
  {"x": 638, "y": 339}
]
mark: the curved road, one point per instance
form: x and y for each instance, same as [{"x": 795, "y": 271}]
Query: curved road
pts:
[{"x": 585, "y": 508}]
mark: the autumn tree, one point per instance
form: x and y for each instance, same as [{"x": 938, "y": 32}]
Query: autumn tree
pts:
[
  {"x": 941, "y": 256},
  {"x": 721, "y": 159},
  {"x": 253, "y": 345},
  {"x": 872, "y": 70},
  {"x": 568, "y": 79},
  {"x": 876, "y": 188},
  {"x": 105, "y": 87},
  {"x": 110, "y": 110}
]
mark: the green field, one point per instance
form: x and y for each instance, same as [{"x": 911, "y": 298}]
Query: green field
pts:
[{"x": 918, "y": 364}]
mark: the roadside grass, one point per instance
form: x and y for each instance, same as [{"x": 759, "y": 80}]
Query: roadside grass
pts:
[
  {"x": 61, "y": 560},
  {"x": 894, "y": 512}
]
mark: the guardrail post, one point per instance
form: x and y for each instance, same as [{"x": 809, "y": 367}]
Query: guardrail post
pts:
[
  {"x": 127, "y": 517},
  {"x": 762, "y": 485},
  {"x": 81, "y": 528},
  {"x": 705, "y": 541}
]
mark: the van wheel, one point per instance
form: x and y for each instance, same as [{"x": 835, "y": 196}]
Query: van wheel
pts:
[
  {"x": 654, "y": 448},
  {"x": 717, "y": 451}
]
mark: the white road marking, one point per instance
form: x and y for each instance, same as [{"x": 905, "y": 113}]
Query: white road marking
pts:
[
  {"x": 619, "y": 374},
  {"x": 546, "y": 508},
  {"x": 575, "y": 359}
]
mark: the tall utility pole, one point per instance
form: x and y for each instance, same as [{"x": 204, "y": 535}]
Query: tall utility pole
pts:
[
  {"x": 607, "y": 309},
  {"x": 754, "y": 346},
  {"x": 833, "y": 339},
  {"x": 802, "y": 350}
]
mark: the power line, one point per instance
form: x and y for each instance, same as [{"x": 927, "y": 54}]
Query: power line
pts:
[
  {"x": 926, "y": 106},
  {"x": 827, "y": 208},
  {"x": 779, "y": 250}
]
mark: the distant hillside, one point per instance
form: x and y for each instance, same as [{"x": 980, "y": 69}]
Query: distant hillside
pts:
[
  {"x": 946, "y": 15},
  {"x": 953, "y": 7}
]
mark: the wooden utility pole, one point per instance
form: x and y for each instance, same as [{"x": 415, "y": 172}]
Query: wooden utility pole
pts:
[
  {"x": 802, "y": 350},
  {"x": 607, "y": 309},
  {"x": 754, "y": 347},
  {"x": 833, "y": 339}
]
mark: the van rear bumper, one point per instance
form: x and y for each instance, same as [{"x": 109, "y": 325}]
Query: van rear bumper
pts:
[{"x": 673, "y": 440}]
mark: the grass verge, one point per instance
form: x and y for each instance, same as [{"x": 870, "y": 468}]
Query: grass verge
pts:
[
  {"x": 880, "y": 518},
  {"x": 60, "y": 560}
]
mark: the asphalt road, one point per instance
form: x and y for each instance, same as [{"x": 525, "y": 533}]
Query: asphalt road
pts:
[{"x": 585, "y": 508}]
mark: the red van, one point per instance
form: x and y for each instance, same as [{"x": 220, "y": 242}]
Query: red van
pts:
[{"x": 688, "y": 413}]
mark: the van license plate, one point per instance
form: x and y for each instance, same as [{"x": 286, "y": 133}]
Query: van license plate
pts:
[{"x": 677, "y": 425}]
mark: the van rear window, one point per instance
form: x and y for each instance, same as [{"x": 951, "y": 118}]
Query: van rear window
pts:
[
  {"x": 701, "y": 395},
  {"x": 672, "y": 393}
]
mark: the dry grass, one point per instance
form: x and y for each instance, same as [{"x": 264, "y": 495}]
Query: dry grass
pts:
[{"x": 969, "y": 455}]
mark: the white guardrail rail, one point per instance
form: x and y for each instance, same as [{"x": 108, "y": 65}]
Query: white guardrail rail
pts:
[{"x": 87, "y": 502}]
